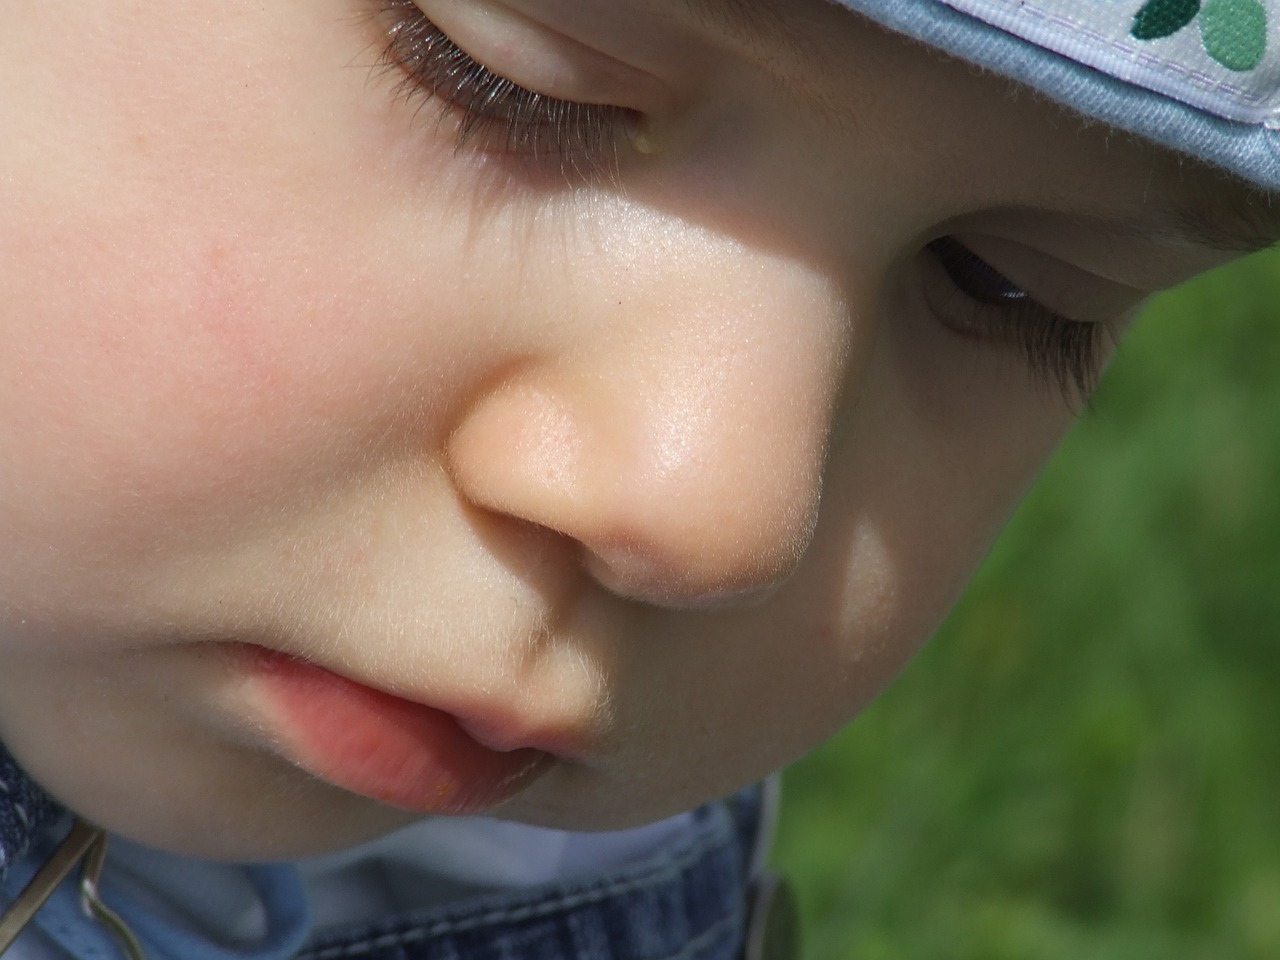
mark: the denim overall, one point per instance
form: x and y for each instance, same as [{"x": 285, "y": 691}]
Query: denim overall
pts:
[{"x": 689, "y": 901}]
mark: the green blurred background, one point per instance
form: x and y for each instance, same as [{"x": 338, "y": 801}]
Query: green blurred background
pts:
[{"x": 1085, "y": 763}]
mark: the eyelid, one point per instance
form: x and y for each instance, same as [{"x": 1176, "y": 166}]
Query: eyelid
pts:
[
  {"x": 1127, "y": 261},
  {"x": 537, "y": 57},
  {"x": 1065, "y": 289},
  {"x": 963, "y": 292}
]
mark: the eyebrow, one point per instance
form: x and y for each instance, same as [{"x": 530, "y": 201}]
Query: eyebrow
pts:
[
  {"x": 1245, "y": 224},
  {"x": 1249, "y": 221},
  {"x": 745, "y": 16},
  {"x": 751, "y": 23},
  {"x": 1236, "y": 227},
  {"x": 770, "y": 34}
]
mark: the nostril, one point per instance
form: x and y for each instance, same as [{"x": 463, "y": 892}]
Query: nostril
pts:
[
  {"x": 674, "y": 595},
  {"x": 723, "y": 521}
]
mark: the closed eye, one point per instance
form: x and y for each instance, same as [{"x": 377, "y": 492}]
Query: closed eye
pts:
[
  {"x": 492, "y": 113},
  {"x": 984, "y": 304}
]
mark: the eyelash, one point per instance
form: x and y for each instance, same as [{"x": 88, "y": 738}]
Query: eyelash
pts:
[
  {"x": 495, "y": 113},
  {"x": 583, "y": 137},
  {"x": 987, "y": 306}
]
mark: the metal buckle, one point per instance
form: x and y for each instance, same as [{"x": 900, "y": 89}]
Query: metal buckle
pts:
[{"x": 85, "y": 845}]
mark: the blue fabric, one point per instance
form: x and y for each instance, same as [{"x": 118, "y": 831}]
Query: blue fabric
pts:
[
  {"x": 688, "y": 901},
  {"x": 1249, "y": 150},
  {"x": 25, "y": 810},
  {"x": 63, "y": 921}
]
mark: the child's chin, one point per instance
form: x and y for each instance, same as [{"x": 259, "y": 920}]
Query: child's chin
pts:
[
  {"x": 285, "y": 839},
  {"x": 282, "y": 822}
]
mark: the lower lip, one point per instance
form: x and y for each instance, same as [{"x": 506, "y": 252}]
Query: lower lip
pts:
[{"x": 378, "y": 745}]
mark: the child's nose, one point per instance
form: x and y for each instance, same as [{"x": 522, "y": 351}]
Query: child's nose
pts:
[{"x": 678, "y": 437}]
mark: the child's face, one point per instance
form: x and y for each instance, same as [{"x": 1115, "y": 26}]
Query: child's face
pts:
[{"x": 664, "y": 471}]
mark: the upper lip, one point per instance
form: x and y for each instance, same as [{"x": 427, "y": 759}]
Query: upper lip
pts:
[{"x": 492, "y": 721}]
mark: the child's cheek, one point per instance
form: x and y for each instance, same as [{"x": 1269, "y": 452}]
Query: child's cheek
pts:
[
  {"x": 200, "y": 304},
  {"x": 154, "y": 383}
]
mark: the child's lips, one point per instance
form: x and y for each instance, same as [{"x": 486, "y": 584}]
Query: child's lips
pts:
[{"x": 376, "y": 744}]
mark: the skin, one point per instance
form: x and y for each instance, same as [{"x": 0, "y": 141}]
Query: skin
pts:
[{"x": 674, "y": 468}]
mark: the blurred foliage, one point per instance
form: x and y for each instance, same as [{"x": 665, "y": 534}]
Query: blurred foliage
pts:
[{"x": 1086, "y": 760}]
